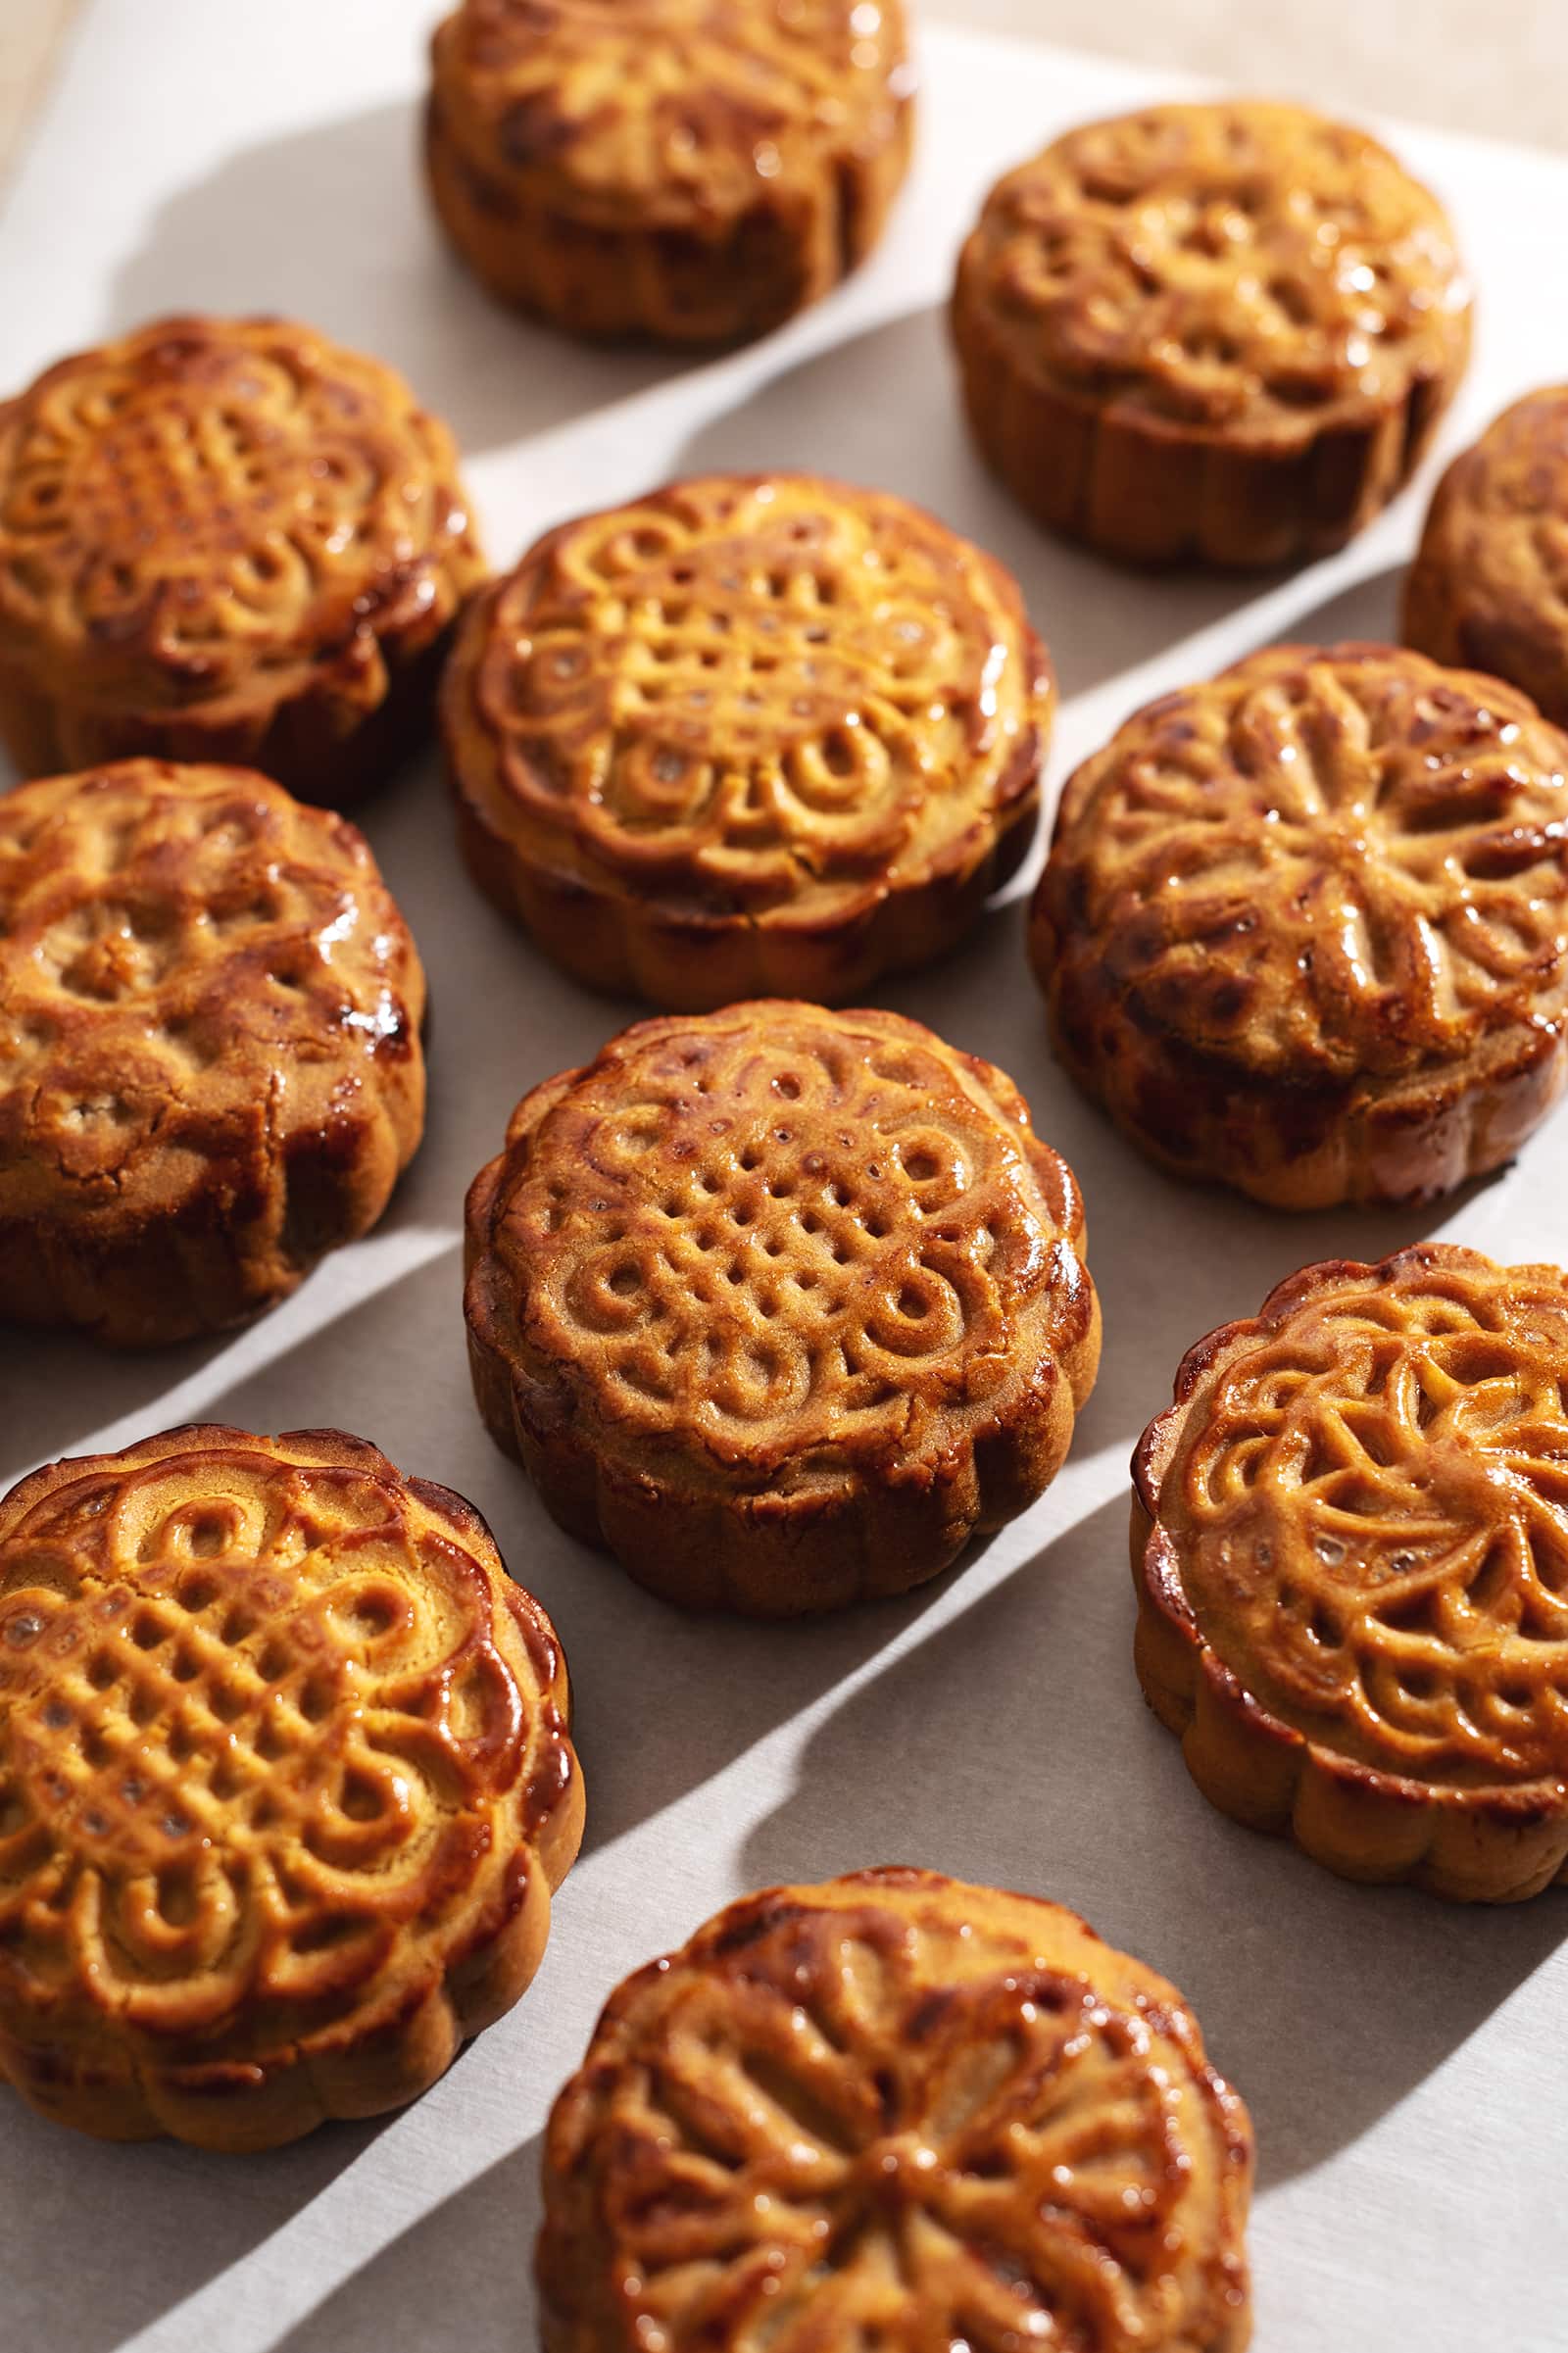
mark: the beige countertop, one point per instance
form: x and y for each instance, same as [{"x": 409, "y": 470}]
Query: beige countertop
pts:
[{"x": 1492, "y": 66}]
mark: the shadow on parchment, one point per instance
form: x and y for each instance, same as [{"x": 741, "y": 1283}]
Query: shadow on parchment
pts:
[
  {"x": 828, "y": 415},
  {"x": 665, "y": 1700},
  {"x": 332, "y": 225},
  {"x": 463, "y": 2274},
  {"x": 164, "y": 2221},
  {"x": 1366, "y": 613},
  {"x": 1015, "y": 1749}
]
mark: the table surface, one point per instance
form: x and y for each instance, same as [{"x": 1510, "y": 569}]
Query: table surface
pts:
[{"x": 1346, "y": 54}]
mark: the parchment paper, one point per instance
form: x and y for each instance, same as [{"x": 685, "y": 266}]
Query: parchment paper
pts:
[{"x": 1404, "y": 2060}]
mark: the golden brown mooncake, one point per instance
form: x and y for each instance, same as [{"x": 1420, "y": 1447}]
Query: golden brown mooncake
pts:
[
  {"x": 780, "y": 1306},
  {"x": 210, "y": 1061},
  {"x": 1304, "y": 927},
  {"x": 285, "y": 1786},
  {"x": 1350, "y": 1548},
  {"x": 1489, "y": 584},
  {"x": 693, "y": 170},
  {"x": 894, "y": 2110},
  {"x": 230, "y": 540},
  {"x": 1219, "y": 332},
  {"x": 751, "y": 735}
]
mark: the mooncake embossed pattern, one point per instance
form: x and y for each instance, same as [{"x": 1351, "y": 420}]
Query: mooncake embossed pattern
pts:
[
  {"x": 1221, "y": 331},
  {"x": 285, "y": 1784},
  {"x": 693, "y": 170},
  {"x": 1489, "y": 586},
  {"x": 1303, "y": 927},
  {"x": 231, "y": 540},
  {"x": 780, "y": 1306},
  {"x": 748, "y": 734},
  {"x": 210, "y": 1061},
  {"x": 893, "y": 2108},
  {"x": 1351, "y": 1542}
]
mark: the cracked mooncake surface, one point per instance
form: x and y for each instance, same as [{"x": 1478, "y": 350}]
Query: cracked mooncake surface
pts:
[{"x": 210, "y": 1062}]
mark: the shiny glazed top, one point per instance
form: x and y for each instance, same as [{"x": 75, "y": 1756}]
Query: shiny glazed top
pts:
[
  {"x": 1245, "y": 267},
  {"x": 781, "y": 1244},
  {"x": 671, "y": 111},
  {"x": 205, "y": 510},
  {"x": 1360, "y": 1510},
  {"x": 900, "y": 2109},
  {"x": 1324, "y": 862},
  {"x": 751, "y": 691},
  {"x": 192, "y": 967},
  {"x": 273, "y": 1722}
]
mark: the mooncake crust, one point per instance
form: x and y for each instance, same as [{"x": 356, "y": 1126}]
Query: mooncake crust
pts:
[
  {"x": 1486, "y": 588},
  {"x": 749, "y": 735},
  {"x": 285, "y": 1786},
  {"x": 1219, "y": 332},
  {"x": 211, "y": 1070},
  {"x": 780, "y": 1306},
  {"x": 1352, "y": 1559},
  {"x": 1303, "y": 925},
  {"x": 826, "y": 2080},
  {"x": 693, "y": 172},
  {"x": 227, "y": 540}
]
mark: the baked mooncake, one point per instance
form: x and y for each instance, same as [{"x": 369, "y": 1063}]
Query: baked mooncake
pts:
[
  {"x": 693, "y": 170},
  {"x": 894, "y": 2110},
  {"x": 285, "y": 1786},
  {"x": 210, "y": 1061},
  {"x": 1219, "y": 332},
  {"x": 780, "y": 1306},
  {"x": 1350, "y": 1548},
  {"x": 231, "y": 540},
  {"x": 1489, "y": 586},
  {"x": 1304, "y": 927},
  {"x": 758, "y": 734}
]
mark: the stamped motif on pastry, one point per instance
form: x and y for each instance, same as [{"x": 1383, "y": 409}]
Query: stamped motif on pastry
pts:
[
  {"x": 747, "y": 731},
  {"x": 1356, "y": 1555},
  {"x": 210, "y": 1060},
  {"x": 1163, "y": 318},
  {"x": 228, "y": 538},
  {"x": 276, "y": 1749},
  {"x": 1214, "y": 261},
  {"x": 900, "y": 2106},
  {"x": 1327, "y": 885},
  {"x": 690, "y": 169},
  {"x": 782, "y": 1251}
]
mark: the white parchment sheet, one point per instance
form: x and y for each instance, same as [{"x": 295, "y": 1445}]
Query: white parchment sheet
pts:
[{"x": 1404, "y": 2061}]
